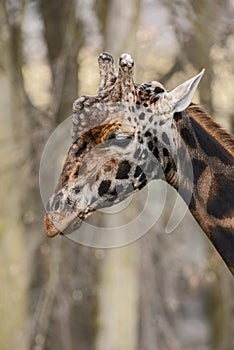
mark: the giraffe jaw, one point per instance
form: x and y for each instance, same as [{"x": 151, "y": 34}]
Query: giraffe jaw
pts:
[{"x": 64, "y": 222}]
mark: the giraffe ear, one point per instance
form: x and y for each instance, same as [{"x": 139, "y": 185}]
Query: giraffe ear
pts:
[{"x": 182, "y": 95}]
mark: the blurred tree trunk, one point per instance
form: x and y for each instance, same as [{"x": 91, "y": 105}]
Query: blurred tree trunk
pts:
[
  {"x": 118, "y": 290},
  {"x": 119, "y": 24},
  {"x": 71, "y": 303},
  {"x": 63, "y": 41},
  {"x": 70, "y": 291},
  {"x": 195, "y": 39},
  {"x": 60, "y": 291},
  {"x": 12, "y": 269},
  {"x": 22, "y": 120}
]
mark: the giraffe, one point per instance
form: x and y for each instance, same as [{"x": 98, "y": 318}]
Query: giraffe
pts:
[{"x": 129, "y": 134}]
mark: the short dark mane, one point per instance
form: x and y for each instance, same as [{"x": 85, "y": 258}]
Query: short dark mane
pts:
[{"x": 218, "y": 132}]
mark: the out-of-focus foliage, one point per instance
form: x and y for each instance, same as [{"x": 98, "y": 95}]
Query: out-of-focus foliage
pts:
[{"x": 162, "y": 292}]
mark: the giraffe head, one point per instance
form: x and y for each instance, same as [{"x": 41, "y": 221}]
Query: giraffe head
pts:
[{"x": 123, "y": 137}]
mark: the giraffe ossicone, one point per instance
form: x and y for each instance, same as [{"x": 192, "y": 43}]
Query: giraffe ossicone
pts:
[{"x": 129, "y": 134}]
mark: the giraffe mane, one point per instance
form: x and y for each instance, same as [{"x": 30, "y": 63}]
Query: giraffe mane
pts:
[{"x": 213, "y": 128}]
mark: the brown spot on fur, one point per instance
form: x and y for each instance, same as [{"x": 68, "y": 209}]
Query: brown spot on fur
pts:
[
  {"x": 221, "y": 199},
  {"x": 198, "y": 168},
  {"x": 188, "y": 138},
  {"x": 104, "y": 187},
  {"x": 192, "y": 204},
  {"x": 223, "y": 240},
  {"x": 123, "y": 170}
]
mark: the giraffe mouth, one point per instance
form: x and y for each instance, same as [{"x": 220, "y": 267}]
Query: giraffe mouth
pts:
[
  {"x": 64, "y": 222},
  {"x": 57, "y": 223}
]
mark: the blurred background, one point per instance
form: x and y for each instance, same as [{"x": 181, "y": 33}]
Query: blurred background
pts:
[{"x": 162, "y": 292}]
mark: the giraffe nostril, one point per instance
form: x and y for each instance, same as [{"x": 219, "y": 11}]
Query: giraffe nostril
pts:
[{"x": 54, "y": 203}]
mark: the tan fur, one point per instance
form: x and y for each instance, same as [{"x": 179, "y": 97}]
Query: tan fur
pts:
[{"x": 204, "y": 186}]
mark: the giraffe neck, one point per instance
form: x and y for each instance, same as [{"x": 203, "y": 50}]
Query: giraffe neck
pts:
[{"x": 208, "y": 150}]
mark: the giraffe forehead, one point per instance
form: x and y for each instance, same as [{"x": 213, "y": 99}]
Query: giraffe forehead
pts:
[{"x": 150, "y": 101}]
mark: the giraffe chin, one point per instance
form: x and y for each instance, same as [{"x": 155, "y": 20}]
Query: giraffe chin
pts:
[{"x": 61, "y": 223}]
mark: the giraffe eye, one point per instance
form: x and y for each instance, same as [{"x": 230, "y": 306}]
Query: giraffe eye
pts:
[
  {"x": 120, "y": 140},
  {"x": 122, "y": 137},
  {"x": 111, "y": 136}
]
